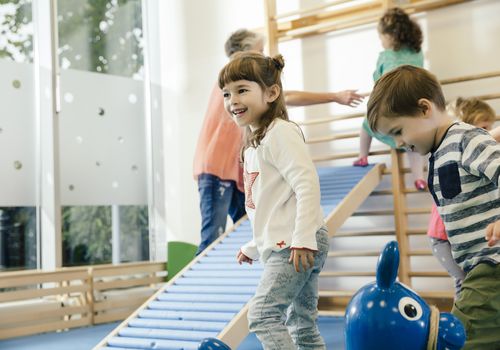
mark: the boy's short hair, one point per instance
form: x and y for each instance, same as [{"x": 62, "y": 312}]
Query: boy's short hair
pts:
[
  {"x": 241, "y": 40},
  {"x": 397, "y": 93}
]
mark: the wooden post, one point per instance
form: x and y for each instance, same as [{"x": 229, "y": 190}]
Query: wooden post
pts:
[
  {"x": 271, "y": 28},
  {"x": 387, "y": 4},
  {"x": 90, "y": 294},
  {"x": 400, "y": 219}
]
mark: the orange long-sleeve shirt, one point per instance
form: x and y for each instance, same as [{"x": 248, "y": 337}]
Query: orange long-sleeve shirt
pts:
[{"x": 218, "y": 149}]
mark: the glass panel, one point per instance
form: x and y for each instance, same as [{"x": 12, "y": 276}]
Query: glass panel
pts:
[
  {"x": 18, "y": 236},
  {"x": 134, "y": 234},
  {"x": 102, "y": 130},
  {"x": 86, "y": 235}
]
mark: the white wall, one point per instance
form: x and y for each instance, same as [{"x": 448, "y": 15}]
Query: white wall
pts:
[
  {"x": 458, "y": 40},
  {"x": 193, "y": 32}
]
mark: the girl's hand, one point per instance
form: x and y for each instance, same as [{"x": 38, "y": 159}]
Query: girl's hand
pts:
[
  {"x": 241, "y": 258},
  {"x": 302, "y": 255},
  {"x": 493, "y": 233}
]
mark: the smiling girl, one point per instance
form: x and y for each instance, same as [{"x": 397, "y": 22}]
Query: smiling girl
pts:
[{"x": 282, "y": 200}]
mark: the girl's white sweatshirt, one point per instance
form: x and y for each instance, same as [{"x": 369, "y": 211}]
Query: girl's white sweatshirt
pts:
[{"x": 282, "y": 195}]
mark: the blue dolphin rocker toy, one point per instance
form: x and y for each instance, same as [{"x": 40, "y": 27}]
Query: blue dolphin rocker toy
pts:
[{"x": 386, "y": 315}]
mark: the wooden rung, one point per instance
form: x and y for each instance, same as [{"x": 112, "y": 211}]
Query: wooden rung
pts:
[
  {"x": 363, "y": 253},
  {"x": 421, "y": 252},
  {"x": 336, "y": 293},
  {"x": 387, "y": 170},
  {"x": 365, "y": 233},
  {"x": 417, "y": 231},
  {"x": 411, "y": 190},
  {"x": 349, "y": 155},
  {"x": 381, "y": 193},
  {"x": 429, "y": 274},
  {"x": 374, "y": 212},
  {"x": 470, "y": 77},
  {"x": 351, "y": 253},
  {"x": 310, "y": 11},
  {"x": 333, "y": 137},
  {"x": 389, "y": 192},
  {"x": 426, "y": 210},
  {"x": 488, "y": 97},
  {"x": 330, "y": 119},
  {"x": 437, "y": 294},
  {"x": 347, "y": 273}
]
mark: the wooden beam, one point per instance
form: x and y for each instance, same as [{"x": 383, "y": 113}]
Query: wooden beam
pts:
[
  {"x": 271, "y": 27},
  {"x": 400, "y": 219},
  {"x": 327, "y": 120},
  {"x": 470, "y": 78},
  {"x": 333, "y": 137},
  {"x": 348, "y": 155},
  {"x": 312, "y": 10}
]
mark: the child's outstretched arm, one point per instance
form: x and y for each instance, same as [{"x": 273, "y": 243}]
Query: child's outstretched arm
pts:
[
  {"x": 304, "y": 98},
  {"x": 493, "y": 233},
  {"x": 496, "y": 133},
  {"x": 302, "y": 256}
]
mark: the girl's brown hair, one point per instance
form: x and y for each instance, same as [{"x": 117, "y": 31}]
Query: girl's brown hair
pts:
[
  {"x": 404, "y": 31},
  {"x": 473, "y": 111},
  {"x": 265, "y": 71}
]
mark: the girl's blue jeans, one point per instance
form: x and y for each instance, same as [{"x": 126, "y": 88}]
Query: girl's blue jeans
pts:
[
  {"x": 283, "y": 312},
  {"x": 218, "y": 198}
]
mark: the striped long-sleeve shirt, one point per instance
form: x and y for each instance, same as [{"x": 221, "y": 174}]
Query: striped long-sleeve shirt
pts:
[{"x": 464, "y": 174}]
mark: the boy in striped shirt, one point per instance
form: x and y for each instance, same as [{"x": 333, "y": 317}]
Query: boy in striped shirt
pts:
[{"x": 408, "y": 104}]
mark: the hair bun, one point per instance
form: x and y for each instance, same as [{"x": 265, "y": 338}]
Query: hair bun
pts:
[{"x": 279, "y": 62}]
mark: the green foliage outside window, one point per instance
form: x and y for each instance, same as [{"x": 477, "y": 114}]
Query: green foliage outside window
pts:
[
  {"x": 103, "y": 36},
  {"x": 16, "y": 30}
]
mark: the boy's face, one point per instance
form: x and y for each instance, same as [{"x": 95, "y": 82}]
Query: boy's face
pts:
[{"x": 416, "y": 133}]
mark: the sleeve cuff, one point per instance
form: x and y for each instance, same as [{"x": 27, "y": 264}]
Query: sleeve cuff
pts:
[
  {"x": 304, "y": 248},
  {"x": 250, "y": 251}
]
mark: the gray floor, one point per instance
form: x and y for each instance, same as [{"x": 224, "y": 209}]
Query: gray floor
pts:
[{"x": 332, "y": 330}]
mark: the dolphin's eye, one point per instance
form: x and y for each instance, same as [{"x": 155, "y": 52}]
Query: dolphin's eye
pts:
[{"x": 410, "y": 309}]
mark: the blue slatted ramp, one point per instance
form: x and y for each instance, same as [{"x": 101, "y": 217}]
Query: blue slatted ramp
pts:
[{"x": 202, "y": 301}]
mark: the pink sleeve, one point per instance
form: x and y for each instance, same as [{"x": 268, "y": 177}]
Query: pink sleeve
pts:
[{"x": 436, "y": 226}]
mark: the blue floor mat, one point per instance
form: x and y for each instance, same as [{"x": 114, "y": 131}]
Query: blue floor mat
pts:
[{"x": 331, "y": 328}]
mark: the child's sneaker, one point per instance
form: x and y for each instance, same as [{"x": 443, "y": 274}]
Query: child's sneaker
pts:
[
  {"x": 421, "y": 185},
  {"x": 362, "y": 161}
]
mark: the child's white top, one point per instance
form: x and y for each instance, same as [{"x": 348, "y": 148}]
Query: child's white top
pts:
[{"x": 282, "y": 195}]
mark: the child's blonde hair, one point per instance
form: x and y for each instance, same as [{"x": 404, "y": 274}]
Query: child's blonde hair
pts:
[
  {"x": 404, "y": 31},
  {"x": 265, "y": 71},
  {"x": 472, "y": 110}
]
